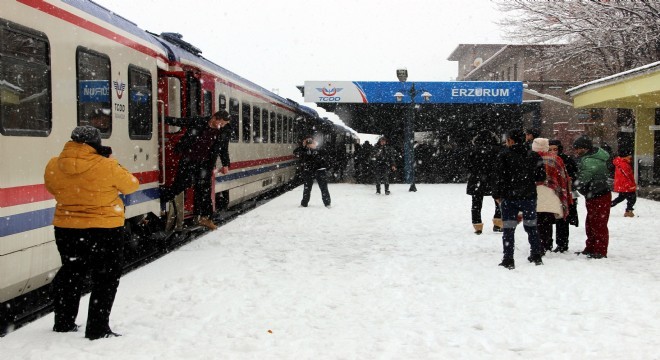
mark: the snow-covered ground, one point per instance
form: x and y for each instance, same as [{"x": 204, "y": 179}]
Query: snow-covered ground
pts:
[{"x": 377, "y": 277}]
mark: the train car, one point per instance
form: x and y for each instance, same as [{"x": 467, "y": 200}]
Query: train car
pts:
[{"x": 72, "y": 62}]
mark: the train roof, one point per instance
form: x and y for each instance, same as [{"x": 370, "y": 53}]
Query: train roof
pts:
[
  {"x": 179, "y": 50},
  {"x": 110, "y": 17},
  {"x": 172, "y": 45},
  {"x": 308, "y": 111}
]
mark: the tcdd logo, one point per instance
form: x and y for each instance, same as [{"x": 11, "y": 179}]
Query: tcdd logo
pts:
[{"x": 329, "y": 93}]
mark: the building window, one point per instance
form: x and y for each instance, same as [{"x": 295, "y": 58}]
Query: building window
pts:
[
  {"x": 140, "y": 109},
  {"x": 25, "y": 102},
  {"x": 94, "y": 96},
  {"x": 515, "y": 72}
]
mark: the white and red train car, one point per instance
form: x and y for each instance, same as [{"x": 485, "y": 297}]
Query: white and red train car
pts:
[{"x": 72, "y": 62}]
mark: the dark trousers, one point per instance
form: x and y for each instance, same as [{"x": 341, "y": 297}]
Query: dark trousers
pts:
[
  {"x": 477, "y": 204},
  {"x": 631, "y": 198},
  {"x": 595, "y": 225},
  {"x": 382, "y": 176},
  {"x": 544, "y": 223},
  {"x": 322, "y": 180},
  {"x": 98, "y": 252},
  {"x": 510, "y": 210},
  {"x": 192, "y": 173},
  {"x": 561, "y": 226}
]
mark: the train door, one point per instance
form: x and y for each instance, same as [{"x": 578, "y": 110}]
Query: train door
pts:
[{"x": 179, "y": 96}]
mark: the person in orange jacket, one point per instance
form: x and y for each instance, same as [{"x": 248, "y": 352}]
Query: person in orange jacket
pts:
[
  {"x": 89, "y": 228},
  {"x": 624, "y": 182}
]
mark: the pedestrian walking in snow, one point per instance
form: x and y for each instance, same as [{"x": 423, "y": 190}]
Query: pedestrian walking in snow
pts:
[
  {"x": 314, "y": 163},
  {"x": 384, "y": 159},
  {"x": 89, "y": 229},
  {"x": 481, "y": 166},
  {"x": 592, "y": 183},
  {"x": 519, "y": 170},
  {"x": 624, "y": 182}
]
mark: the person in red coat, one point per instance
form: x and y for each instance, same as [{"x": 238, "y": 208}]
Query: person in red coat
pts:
[{"x": 624, "y": 182}]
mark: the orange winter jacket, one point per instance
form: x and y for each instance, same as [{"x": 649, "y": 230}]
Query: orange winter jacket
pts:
[{"x": 86, "y": 187}]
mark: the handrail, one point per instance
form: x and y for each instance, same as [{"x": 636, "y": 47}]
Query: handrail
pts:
[{"x": 162, "y": 140}]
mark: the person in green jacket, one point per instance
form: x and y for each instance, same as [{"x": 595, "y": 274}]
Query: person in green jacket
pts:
[{"x": 592, "y": 183}]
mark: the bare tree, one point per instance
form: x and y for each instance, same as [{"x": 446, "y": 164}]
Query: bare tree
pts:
[{"x": 601, "y": 36}]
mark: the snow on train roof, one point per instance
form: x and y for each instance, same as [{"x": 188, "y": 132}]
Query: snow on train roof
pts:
[
  {"x": 113, "y": 18},
  {"x": 181, "y": 50},
  {"x": 177, "y": 50}
]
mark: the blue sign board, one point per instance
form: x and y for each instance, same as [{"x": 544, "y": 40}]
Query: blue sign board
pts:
[
  {"x": 90, "y": 91},
  {"x": 442, "y": 92}
]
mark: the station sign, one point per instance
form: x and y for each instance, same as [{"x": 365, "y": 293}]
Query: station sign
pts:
[
  {"x": 94, "y": 91},
  {"x": 442, "y": 92}
]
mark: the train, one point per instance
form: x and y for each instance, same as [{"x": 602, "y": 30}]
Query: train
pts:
[{"x": 65, "y": 63}]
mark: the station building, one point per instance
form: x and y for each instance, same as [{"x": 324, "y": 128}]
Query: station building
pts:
[
  {"x": 638, "y": 90},
  {"x": 546, "y": 106}
]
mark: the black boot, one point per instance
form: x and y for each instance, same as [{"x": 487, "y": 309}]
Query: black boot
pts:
[
  {"x": 508, "y": 263},
  {"x": 536, "y": 259},
  {"x": 377, "y": 189},
  {"x": 103, "y": 335}
]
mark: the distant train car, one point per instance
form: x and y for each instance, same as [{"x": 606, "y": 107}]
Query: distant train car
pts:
[{"x": 69, "y": 63}]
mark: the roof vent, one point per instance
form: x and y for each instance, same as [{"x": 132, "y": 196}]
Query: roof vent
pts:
[
  {"x": 477, "y": 62},
  {"x": 177, "y": 39}
]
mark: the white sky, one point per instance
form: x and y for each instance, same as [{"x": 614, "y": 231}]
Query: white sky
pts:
[
  {"x": 377, "y": 277},
  {"x": 280, "y": 44}
]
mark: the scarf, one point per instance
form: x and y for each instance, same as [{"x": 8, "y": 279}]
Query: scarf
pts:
[{"x": 557, "y": 179}]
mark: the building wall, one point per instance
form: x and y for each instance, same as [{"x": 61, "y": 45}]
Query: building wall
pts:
[{"x": 521, "y": 63}]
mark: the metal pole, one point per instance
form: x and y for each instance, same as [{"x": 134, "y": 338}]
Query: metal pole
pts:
[{"x": 409, "y": 142}]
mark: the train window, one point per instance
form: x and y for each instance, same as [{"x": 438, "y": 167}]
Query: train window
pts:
[
  {"x": 25, "y": 89},
  {"x": 94, "y": 96},
  {"x": 264, "y": 125},
  {"x": 256, "y": 125},
  {"x": 222, "y": 103},
  {"x": 233, "y": 112},
  {"x": 245, "y": 121},
  {"x": 208, "y": 103},
  {"x": 279, "y": 128},
  {"x": 271, "y": 126},
  {"x": 285, "y": 131},
  {"x": 140, "y": 103},
  {"x": 290, "y": 130},
  {"x": 194, "y": 96}
]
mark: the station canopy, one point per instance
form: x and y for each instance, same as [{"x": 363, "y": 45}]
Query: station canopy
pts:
[{"x": 452, "y": 107}]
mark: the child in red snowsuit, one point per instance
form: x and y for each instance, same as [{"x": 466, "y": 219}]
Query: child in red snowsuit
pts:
[{"x": 624, "y": 182}]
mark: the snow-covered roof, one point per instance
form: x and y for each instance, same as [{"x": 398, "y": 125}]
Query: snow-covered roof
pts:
[{"x": 608, "y": 80}]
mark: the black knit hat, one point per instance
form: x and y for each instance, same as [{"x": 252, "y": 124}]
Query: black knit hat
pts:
[
  {"x": 533, "y": 131},
  {"x": 86, "y": 135},
  {"x": 625, "y": 151},
  {"x": 583, "y": 142}
]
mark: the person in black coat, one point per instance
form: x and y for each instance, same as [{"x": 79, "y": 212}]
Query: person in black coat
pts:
[
  {"x": 519, "y": 171},
  {"x": 314, "y": 163},
  {"x": 572, "y": 219},
  {"x": 480, "y": 163},
  {"x": 384, "y": 160},
  {"x": 205, "y": 139}
]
